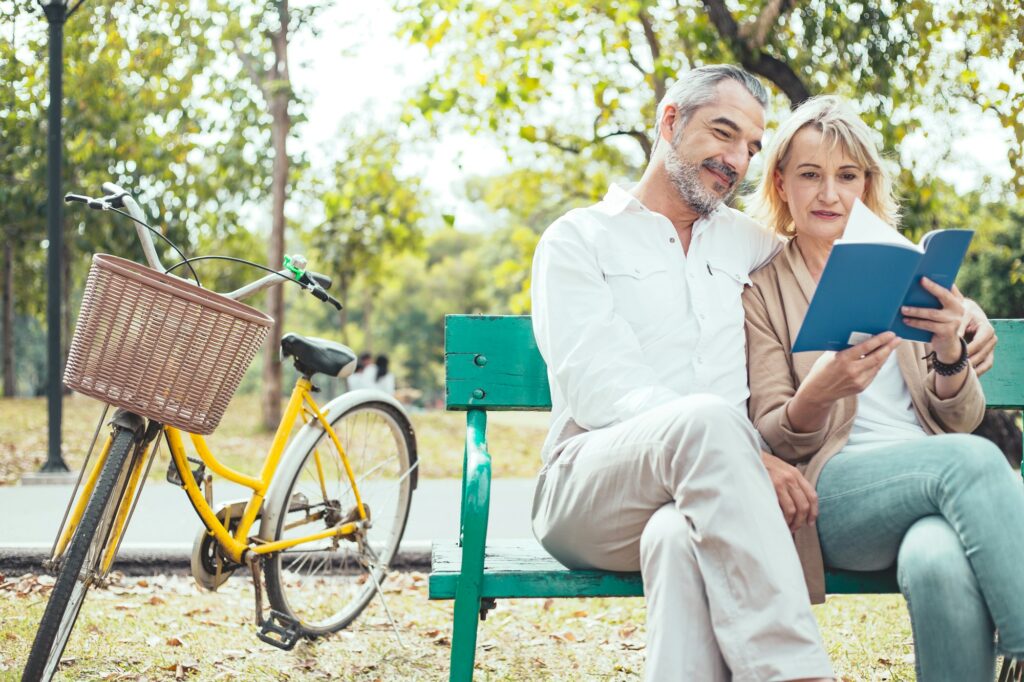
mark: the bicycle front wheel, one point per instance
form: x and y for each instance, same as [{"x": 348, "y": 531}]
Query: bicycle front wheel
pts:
[
  {"x": 325, "y": 584},
  {"x": 79, "y": 563}
]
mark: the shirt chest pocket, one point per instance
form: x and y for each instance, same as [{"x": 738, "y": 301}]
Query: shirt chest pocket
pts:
[
  {"x": 642, "y": 290},
  {"x": 725, "y": 285}
]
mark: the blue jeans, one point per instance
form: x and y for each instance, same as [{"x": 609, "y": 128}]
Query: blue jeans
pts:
[{"x": 949, "y": 511}]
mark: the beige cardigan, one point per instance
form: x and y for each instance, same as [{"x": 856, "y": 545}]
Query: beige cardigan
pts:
[{"x": 775, "y": 305}]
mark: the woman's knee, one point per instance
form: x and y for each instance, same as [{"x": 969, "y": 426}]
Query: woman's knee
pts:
[{"x": 972, "y": 458}]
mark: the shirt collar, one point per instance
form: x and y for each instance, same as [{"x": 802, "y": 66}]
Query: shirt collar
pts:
[{"x": 619, "y": 200}]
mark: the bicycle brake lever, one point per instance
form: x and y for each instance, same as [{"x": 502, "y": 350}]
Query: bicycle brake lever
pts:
[{"x": 69, "y": 198}]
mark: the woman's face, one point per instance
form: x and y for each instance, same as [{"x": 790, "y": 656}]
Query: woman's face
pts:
[{"x": 819, "y": 185}]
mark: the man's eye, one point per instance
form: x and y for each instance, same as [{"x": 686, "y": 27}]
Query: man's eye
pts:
[{"x": 724, "y": 134}]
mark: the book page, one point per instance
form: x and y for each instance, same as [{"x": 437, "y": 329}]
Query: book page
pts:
[{"x": 864, "y": 226}]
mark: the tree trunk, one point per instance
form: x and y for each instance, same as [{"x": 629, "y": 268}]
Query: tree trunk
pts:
[
  {"x": 1000, "y": 427},
  {"x": 7, "y": 277},
  {"x": 278, "y": 90},
  {"x": 65, "y": 308}
]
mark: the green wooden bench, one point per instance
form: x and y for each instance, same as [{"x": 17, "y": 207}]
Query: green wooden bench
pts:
[{"x": 492, "y": 363}]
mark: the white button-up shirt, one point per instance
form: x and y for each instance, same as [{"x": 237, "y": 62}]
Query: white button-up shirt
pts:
[{"x": 627, "y": 321}]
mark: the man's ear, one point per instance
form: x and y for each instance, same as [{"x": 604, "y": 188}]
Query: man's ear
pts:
[
  {"x": 669, "y": 121},
  {"x": 779, "y": 186}
]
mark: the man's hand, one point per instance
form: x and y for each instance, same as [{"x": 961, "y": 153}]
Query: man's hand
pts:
[
  {"x": 980, "y": 335},
  {"x": 797, "y": 498}
]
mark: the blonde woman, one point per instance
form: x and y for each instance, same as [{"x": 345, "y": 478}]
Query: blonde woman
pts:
[{"x": 878, "y": 430}]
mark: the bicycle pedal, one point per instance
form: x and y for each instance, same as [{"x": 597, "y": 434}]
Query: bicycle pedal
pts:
[
  {"x": 280, "y": 630},
  {"x": 198, "y": 474}
]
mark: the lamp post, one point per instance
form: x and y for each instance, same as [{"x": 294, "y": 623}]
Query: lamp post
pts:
[{"x": 56, "y": 14}]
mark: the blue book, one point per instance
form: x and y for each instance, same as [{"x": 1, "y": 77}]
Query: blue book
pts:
[{"x": 865, "y": 283}]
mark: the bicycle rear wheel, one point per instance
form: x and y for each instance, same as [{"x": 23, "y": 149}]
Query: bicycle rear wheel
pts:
[
  {"x": 80, "y": 561},
  {"x": 325, "y": 584}
]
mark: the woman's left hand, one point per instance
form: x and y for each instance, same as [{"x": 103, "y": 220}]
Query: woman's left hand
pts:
[{"x": 944, "y": 323}]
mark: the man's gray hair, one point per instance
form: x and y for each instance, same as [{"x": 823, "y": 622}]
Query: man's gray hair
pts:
[{"x": 696, "y": 88}]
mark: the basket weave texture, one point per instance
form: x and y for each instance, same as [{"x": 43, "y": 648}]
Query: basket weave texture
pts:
[{"x": 160, "y": 346}]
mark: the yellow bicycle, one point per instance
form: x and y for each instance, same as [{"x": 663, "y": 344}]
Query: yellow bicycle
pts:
[{"x": 332, "y": 497}]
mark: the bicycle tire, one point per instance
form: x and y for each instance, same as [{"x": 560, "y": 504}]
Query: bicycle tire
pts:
[
  {"x": 82, "y": 555},
  {"x": 329, "y": 598}
]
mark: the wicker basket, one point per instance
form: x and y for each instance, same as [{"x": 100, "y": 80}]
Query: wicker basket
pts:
[{"x": 160, "y": 346}]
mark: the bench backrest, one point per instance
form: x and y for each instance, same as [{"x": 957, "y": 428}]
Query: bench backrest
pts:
[{"x": 492, "y": 363}]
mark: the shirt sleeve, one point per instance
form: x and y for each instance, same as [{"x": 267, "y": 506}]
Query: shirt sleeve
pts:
[{"x": 593, "y": 356}]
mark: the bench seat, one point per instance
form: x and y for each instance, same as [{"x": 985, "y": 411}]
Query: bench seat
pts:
[{"x": 522, "y": 568}]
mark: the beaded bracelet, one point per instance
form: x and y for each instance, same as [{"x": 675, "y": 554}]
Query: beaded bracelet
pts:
[{"x": 946, "y": 370}]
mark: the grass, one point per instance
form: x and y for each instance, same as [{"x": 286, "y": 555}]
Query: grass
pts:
[
  {"x": 164, "y": 628},
  {"x": 515, "y": 438}
]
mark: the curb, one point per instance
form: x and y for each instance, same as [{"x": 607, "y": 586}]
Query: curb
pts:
[{"x": 151, "y": 559}]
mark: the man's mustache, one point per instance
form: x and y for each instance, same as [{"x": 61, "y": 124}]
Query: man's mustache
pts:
[{"x": 719, "y": 167}]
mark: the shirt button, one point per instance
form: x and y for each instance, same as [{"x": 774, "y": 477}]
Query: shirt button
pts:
[{"x": 672, "y": 240}]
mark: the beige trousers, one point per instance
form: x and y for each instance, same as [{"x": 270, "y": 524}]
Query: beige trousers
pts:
[{"x": 680, "y": 494}]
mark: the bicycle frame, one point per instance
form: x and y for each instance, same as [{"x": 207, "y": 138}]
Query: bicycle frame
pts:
[{"x": 235, "y": 546}]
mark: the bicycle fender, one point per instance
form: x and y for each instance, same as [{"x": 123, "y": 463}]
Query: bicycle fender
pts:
[{"x": 291, "y": 459}]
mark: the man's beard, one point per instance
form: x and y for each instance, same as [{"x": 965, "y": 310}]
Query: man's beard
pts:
[{"x": 685, "y": 176}]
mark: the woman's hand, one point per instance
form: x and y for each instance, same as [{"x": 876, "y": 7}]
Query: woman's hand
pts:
[
  {"x": 944, "y": 323},
  {"x": 797, "y": 497},
  {"x": 835, "y": 376}
]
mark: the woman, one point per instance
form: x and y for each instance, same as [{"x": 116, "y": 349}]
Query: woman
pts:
[
  {"x": 385, "y": 380},
  {"x": 878, "y": 429}
]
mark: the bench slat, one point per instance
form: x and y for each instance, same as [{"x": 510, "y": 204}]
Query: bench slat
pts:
[{"x": 522, "y": 568}]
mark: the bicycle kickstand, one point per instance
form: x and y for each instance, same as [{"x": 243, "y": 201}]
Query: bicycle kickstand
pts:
[
  {"x": 380, "y": 593},
  {"x": 277, "y": 629}
]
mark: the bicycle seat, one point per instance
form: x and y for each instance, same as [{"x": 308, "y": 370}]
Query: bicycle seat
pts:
[{"x": 313, "y": 355}]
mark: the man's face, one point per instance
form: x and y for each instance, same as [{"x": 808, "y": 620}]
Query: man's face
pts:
[{"x": 709, "y": 156}]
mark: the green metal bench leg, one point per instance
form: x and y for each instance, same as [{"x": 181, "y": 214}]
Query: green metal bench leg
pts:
[
  {"x": 467, "y": 618},
  {"x": 475, "y": 508}
]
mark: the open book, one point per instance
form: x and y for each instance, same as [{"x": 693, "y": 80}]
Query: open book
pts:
[{"x": 871, "y": 272}]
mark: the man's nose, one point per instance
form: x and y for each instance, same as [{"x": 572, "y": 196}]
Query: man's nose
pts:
[{"x": 737, "y": 161}]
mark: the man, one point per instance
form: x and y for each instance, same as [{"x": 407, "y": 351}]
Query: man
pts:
[{"x": 651, "y": 463}]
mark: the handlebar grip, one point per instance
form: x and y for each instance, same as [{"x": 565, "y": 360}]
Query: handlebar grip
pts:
[
  {"x": 326, "y": 297},
  {"x": 324, "y": 281}
]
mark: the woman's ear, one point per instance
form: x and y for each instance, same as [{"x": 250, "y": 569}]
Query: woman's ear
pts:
[{"x": 780, "y": 187}]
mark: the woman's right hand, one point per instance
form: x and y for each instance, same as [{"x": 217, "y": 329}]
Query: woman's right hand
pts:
[{"x": 837, "y": 375}]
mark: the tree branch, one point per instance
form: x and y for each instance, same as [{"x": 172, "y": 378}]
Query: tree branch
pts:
[
  {"x": 638, "y": 135},
  {"x": 652, "y": 43},
  {"x": 752, "y": 58},
  {"x": 755, "y": 32}
]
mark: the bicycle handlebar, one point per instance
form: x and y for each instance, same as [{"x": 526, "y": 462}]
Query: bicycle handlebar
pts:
[{"x": 117, "y": 197}]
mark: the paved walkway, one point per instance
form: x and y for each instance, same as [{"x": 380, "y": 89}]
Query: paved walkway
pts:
[{"x": 165, "y": 525}]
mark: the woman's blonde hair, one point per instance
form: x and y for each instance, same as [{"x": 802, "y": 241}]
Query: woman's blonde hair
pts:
[{"x": 839, "y": 125}]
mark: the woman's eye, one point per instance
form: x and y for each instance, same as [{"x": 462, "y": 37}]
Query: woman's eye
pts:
[
  {"x": 849, "y": 177},
  {"x": 810, "y": 175}
]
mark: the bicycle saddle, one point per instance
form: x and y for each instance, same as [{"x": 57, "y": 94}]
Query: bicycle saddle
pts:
[{"x": 313, "y": 355}]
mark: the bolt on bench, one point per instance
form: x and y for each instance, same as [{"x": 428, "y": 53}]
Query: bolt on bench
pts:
[{"x": 492, "y": 363}]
